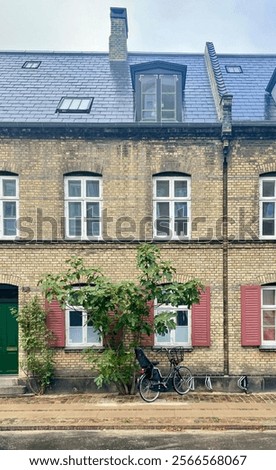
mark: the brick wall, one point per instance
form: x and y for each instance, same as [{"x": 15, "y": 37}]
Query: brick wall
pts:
[
  {"x": 127, "y": 166},
  {"x": 253, "y": 261},
  {"x": 127, "y": 169}
]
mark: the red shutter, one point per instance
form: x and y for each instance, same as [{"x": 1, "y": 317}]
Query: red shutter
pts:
[
  {"x": 56, "y": 323},
  {"x": 201, "y": 320},
  {"x": 250, "y": 315},
  {"x": 149, "y": 340}
]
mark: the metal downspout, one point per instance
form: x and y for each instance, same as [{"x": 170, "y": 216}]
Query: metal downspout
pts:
[
  {"x": 225, "y": 265},
  {"x": 226, "y": 108}
]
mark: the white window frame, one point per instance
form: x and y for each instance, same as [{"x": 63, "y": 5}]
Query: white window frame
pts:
[
  {"x": 266, "y": 199},
  {"x": 83, "y": 199},
  {"x": 172, "y": 200},
  {"x": 4, "y": 199},
  {"x": 84, "y": 343},
  {"x": 268, "y": 343},
  {"x": 157, "y": 111},
  {"x": 77, "y": 104},
  {"x": 166, "y": 307}
]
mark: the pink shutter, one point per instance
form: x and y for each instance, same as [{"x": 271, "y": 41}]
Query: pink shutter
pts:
[
  {"x": 149, "y": 340},
  {"x": 56, "y": 323},
  {"x": 201, "y": 320},
  {"x": 250, "y": 315}
]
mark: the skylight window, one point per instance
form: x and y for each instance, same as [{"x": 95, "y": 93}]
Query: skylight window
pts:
[
  {"x": 233, "y": 69},
  {"x": 75, "y": 105},
  {"x": 31, "y": 64}
]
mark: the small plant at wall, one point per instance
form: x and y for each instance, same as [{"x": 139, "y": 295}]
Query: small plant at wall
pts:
[
  {"x": 121, "y": 312},
  {"x": 37, "y": 364}
]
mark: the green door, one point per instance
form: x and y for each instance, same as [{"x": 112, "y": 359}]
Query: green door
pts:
[{"x": 8, "y": 340}]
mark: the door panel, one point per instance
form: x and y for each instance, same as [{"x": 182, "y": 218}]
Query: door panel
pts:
[{"x": 8, "y": 340}]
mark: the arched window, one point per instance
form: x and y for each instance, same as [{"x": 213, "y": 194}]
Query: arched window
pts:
[
  {"x": 172, "y": 206},
  {"x": 9, "y": 201},
  {"x": 83, "y": 205}
]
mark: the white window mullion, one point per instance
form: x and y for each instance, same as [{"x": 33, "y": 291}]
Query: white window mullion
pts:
[
  {"x": 84, "y": 328},
  {"x": 83, "y": 218},
  {"x": 172, "y": 219},
  {"x": 1, "y": 219}
]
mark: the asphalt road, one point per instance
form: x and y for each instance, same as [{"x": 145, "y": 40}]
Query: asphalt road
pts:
[{"x": 137, "y": 440}]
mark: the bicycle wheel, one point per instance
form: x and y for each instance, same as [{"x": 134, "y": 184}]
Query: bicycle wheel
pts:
[
  {"x": 182, "y": 380},
  {"x": 148, "y": 389}
]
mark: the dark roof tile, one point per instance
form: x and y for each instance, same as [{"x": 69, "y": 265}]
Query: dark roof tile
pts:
[{"x": 33, "y": 94}]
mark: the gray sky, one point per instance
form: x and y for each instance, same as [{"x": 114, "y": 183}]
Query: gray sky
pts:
[{"x": 238, "y": 26}]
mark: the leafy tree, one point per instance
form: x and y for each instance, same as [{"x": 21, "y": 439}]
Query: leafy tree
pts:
[{"x": 120, "y": 311}]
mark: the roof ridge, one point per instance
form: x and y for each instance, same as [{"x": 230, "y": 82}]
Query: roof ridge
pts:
[{"x": 222, "y": 90}]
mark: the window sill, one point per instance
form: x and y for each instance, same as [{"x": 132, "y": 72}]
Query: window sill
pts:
[
  {"x": 173, "y": 239},
  {"x": 82, "y": 348},
  {"x": 83, "y": 239},
  {"x": 171, "y": 346},
  {"x": 6, "y": 238},
  {"x": 267, "y": 348},
  {"x": 264, "y": 238}
]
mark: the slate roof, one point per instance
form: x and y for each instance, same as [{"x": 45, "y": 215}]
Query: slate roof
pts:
[
  {"x": 32, "y": 95},
  {"x": 251, "y": 102}
]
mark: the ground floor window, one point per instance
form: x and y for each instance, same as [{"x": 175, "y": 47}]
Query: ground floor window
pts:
[
  {"x": 79, "y": 329},
  {"x": 181, "y": 335},
  {"x": 268, "y": 318}
]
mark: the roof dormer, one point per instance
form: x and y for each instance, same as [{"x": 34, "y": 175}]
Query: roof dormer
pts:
[
  {"x": 271, "y": 87},
  {"x": 158, "y": 87}
]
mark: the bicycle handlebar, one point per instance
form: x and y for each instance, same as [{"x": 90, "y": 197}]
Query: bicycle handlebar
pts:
[
  {"x": 175, "y": 355},
  {"x": 179, "y": 348}
]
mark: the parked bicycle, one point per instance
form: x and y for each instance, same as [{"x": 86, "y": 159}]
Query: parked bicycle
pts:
[{"x": 151, "y": 382}]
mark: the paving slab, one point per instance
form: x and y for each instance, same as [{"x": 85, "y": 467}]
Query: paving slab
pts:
[{"x": 110, "y": 411}]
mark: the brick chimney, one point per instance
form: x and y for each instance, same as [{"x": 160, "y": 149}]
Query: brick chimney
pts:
[{"x": 118, "y": 36}]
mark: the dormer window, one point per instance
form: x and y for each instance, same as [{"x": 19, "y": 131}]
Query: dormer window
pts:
[
  {"x": 158, "y": 97},
  {"x": 158, "y": 91}
]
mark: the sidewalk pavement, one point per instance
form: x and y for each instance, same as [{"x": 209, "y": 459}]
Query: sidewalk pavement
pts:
[{"x": 197, "y": 410}]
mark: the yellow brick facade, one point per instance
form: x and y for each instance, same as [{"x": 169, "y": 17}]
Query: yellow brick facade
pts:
[
  {"x": 127, "y": 167},
  {"x": 254, "y": 261}
]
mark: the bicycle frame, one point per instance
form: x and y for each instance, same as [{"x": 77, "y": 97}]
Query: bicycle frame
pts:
[{"x": 161, "y": 385}]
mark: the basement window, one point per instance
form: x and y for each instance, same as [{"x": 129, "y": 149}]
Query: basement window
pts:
[
  {"x": 74, "y": 105},
  {"x": 233, "y": 69},
  {"x": 31, "y": 64}
]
